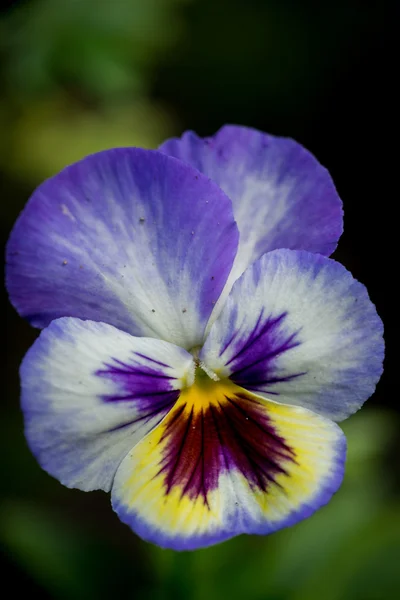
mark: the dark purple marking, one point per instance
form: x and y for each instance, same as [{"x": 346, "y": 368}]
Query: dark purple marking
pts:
[
  {"x": 253, "y": 363},
  {"x": 229, "y": 341},
  {"x": 159, "y": 409},
  {"x": 152, "y": 360},
  {"x": 146, "y": 385},
  {"x": 235, "y": 433}
]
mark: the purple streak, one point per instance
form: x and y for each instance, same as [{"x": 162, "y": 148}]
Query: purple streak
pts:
[{"x": 149, "y": 386}]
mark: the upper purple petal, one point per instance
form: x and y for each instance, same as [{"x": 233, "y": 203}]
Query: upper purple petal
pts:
[
  {"x": 129, "y": 237},
  {"x": 282, "y": 196}
]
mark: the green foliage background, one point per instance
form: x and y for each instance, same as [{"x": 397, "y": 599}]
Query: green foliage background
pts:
[{"x": 78, "y": 76}]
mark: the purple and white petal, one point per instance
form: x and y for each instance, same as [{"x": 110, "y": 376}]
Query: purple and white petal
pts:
[
  {"x": 282, "y": 196},
  {"x": 129, "y": 237},
  {"x": 298, "y": 329},
  {"x": 90, "y": 392}
]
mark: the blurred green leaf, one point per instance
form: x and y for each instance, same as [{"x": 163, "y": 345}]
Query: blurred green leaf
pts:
[
  {"x": 66, "y": 562},
  {"x": 105, "y": 48},
  {"x": 49, "y": 135},
  {"x": 365, "y": 568}
]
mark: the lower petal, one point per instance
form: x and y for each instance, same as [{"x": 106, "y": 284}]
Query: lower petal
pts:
[{"x": 226, "y": 462}]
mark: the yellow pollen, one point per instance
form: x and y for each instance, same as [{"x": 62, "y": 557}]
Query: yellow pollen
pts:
[{"x": 206, "y": 391}]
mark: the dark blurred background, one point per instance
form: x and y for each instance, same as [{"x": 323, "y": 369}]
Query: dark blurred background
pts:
[{"x": 79, "y": 76}]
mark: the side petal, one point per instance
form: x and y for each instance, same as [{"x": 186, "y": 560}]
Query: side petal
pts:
[
  {"x": 225, "y": 462},
  {"x": 90, "y": 392},
  {"x": 129, "y": 237},
  {"x": 297, "y": 327},
  {"x": 282, "y": 196}
]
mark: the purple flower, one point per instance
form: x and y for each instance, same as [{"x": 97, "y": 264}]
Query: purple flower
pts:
[{"x": 198, "y": 344}]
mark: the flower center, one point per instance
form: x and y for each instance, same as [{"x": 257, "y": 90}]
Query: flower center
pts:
[
  {"x": 203, "y": 374},
  {"x": 215, "y": 429},
  {"x": 206, "y": 389}
]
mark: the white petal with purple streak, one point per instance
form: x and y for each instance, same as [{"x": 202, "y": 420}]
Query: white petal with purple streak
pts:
[
  {"x": 90, "y": 392},
  {"x": 298, "y": 328}
]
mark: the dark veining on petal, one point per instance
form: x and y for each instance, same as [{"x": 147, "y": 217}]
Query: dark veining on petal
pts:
[
  {"x": 147, "y": 386},
  {"x": 152, "y": 360},
  {"x": 231, "y": 433},
  {"x": 160, "y": 409},
  {"x": 254, "y": 358},
  {"x": 259, "y": 330},
  {"x": 228, "y": 343}
]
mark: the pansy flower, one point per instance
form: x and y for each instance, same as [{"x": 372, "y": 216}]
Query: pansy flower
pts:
[{"x": 198, "y": 344}]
